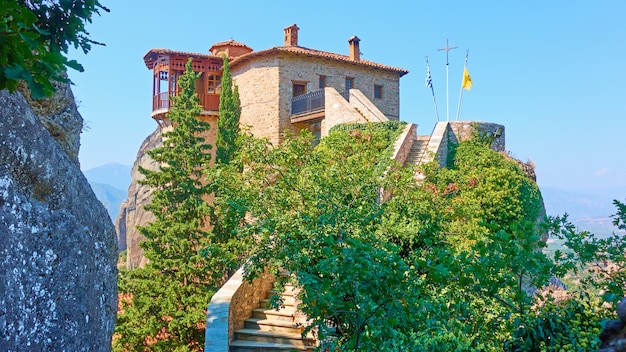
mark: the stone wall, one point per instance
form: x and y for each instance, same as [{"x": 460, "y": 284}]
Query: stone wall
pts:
[
  {"x": 446, "y": 134},
  {"x": 230, "y": 307},
  {"x": 364, "y": 105},
  {"x": 337, "y": 110},
  {"x": 463, "y": 130},
  {"x": 404, "y": 143},
  {"x": 266, "y": 88},
  {"x": 258, "y": 91}
]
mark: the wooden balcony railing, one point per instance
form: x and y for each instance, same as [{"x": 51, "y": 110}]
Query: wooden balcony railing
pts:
[
  {"x": 161, "y": 101},
  {"x": 209, "y": 102},
  {"x": 307, "y": 103}
]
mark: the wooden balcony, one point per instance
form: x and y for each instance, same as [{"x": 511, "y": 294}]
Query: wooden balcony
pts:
[{"x": 210, "y": 104}]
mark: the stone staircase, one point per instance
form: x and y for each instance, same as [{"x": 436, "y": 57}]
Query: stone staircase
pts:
[
  {"x": 418, "y": 150},
  {"x": 270, "y": 329}
]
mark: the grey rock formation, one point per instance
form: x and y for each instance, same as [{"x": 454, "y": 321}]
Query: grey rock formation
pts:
[
  {"x": 60, "y": 116},
  {"x": 138, "y": 197},
  {"x": 120, "y": 226},
  {"x": 57, "y": 244}
]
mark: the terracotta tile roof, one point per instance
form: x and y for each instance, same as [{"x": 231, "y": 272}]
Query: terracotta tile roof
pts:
[
  {"x": 229, "y": 42},
  {"x": 152, "y": 55},
  {"x": 298, "y": 50}
]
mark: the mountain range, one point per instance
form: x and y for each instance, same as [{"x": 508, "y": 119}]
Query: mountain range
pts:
[{"x": 110, "y": 184}]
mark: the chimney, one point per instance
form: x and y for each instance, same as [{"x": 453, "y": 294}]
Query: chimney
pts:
[
  {"x": 291, "y": 35},
  {"x": 353, "y": 46}
]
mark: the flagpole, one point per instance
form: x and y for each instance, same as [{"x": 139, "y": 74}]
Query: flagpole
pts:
[
  {"x": 429, "y": 84},
  {"x": 458, "y": 110},
  {"x": 447, "y": 50}
]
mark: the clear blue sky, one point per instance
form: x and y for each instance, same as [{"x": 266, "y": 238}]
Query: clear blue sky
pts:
[{"x": 552, "y": 72}]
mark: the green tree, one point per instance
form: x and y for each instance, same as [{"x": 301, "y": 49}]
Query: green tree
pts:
[
  {"x": 164, "y": 303},
  {"x": 383, "y": 258},
  {"x": 228, "y": 123},
  {"x": 317, "y": 211},
  {"x": 35, "y": 37}
]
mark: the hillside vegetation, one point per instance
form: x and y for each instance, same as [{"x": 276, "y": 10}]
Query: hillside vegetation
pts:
[
  {"x": 388, "y": 257},
  {"x": 388, "y": 263}
]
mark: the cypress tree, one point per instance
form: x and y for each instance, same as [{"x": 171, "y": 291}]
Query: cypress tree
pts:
[
  {"x": 163, "y": 305},
  {"x": 228, "y": 124}
]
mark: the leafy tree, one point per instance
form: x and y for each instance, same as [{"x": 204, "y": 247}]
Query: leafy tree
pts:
[
  {"x": 35, "y": 37},
  {"x": 393, "y": 264},
  {"x": 317, "y": 211},
  {"x": 228, "y": 123},
  {"x": 164, "y": 303}
]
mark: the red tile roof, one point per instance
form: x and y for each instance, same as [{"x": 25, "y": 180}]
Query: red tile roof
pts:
[
  {"x": 298, "y": 50},
  {"x": 152, "y": 55},
  {"x": 229, "y": 42}
]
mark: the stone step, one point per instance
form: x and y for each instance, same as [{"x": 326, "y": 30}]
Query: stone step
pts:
[
  {"x": 288, "y": 301},
  {"x": 286, "y": 314},
  {"x": 285, "y": 338},
  {"x": 273, "y": 325},
  {"x": 255, "y": 346},
  {"x": 292, "y": 291}
]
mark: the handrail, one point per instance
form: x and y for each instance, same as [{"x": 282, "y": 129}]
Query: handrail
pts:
[{"x": 309, "y": 102}]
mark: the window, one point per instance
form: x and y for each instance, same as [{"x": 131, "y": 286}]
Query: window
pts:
[
  {"x": 163, "y": 78},
  {"x": 299, "y": 88},
  {"x": 349, "y": 83},
  {"x": 214, "y": 84},
  {"x": 322, "y": 81},
  {"x": 378, "y": 91}
]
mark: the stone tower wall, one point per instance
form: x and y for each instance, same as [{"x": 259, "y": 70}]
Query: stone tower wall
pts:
[
  {"x": 266, "y": 89},
  {"x": 258, "y": 83}
]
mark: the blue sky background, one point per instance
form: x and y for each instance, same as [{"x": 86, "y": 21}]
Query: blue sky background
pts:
[{"x": 552, "y": 72}]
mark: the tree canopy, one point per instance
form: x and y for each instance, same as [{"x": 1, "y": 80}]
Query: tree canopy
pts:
[
  {"x": 35, "y": 37},
  {"x": 389, "y": 263}
]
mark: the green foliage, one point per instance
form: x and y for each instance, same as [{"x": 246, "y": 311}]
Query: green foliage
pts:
[
  {"x": 405, "y": 282},
  {"x": 619, "y": 219},
  {"x": 165, "y": 301},
  {"x": 572, "y": 325},
  {"x": 228, "y": 123},
  {"x": 486, "y": 192},
  {"x": 387, "y": 263},
  {"x": 35, "y": 37}
]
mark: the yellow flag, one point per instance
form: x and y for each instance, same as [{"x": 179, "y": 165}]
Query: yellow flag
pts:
[{"x": 467, "y": 80}]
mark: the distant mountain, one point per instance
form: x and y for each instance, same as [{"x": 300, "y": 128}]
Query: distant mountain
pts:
[
  {"x": 113, "y": 174},
  {"x": 110, "y": 184},
  {"x": 589, "y": 210},
  {"x": 110, "y": 196}
]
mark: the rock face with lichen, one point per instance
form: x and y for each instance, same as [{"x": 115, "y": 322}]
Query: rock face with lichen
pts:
[
  {"x": 132, "y": 211},
  {"x": 57, "y": 244}
]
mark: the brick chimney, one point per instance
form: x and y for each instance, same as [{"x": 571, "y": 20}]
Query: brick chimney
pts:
[
  {"x": 291, "y": 35},
  {"x": 353, "y": 46}
]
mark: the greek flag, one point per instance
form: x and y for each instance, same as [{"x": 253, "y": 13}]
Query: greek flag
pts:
[{"x": 429, "y": 79}]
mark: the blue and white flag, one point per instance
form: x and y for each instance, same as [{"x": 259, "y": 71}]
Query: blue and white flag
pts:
[{"x": 429, "y": 79}]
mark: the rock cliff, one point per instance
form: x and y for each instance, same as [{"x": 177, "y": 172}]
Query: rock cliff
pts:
[
  {"x": 132, "y": 212},
  {"x": 57, "y": 244}
]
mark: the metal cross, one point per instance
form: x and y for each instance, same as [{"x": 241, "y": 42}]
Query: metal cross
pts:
[{"x": 447, "y": 49}]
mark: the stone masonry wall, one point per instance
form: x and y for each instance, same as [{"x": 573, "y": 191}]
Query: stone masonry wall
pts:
[
  {"x": 338, "y": 110},
  {"x": 266, "y": 90},
  {"x": 230, "y": 306},
  {"x": 404, "y": 143},
  {"x": 463, "y": 130},
  {"x": 258, "y": 92},
  {"x": 306, "y": 69}
]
